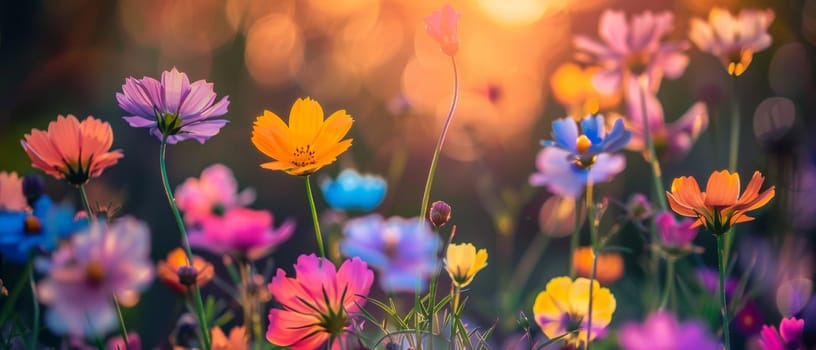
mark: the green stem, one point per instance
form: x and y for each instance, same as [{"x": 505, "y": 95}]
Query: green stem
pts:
[
  {"x": 11, "y": 301},
  {"x": 315, "y": 221},
  {"x": 593, "y": 235},
  {"x": 576, "y": 237},
  {"x": 35, "y": 330},
  {"x": 660, "y": 192},
  {"x": 86, "y": 204},
  {"x": 733, "y": 149},
  {"x": 669, "y": 290},
  {"x": 456, "y": 296},
  {"x": 426, "y": 194},
  {"x": 122, "y": 327},
  {"x": 185, "y": 241},
  {"x": 721, "y": 258}
]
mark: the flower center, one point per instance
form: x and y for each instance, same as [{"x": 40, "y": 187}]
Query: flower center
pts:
[
  {"x": 94, "y": 273},
  {"x": 582, "y": 144},
  {"x": 583, "y": 160},
  {"x": 32, "y": 225},
  {"x": 334, "y": 323},
  {"x": 390, "y": 246},
  {"x": 738, "y": 61},
  {"x": 169, "y": 123},
  {"x": 304, "y": 156},
  {"x": 218, "y": 209},
  {"x": 637, "y": 63}
]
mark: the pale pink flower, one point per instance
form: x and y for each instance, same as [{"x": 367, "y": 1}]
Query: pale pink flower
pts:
[
  {"x": 109, "y": 259},
  {"x": 11, "y": 192},
  {"x": 733, "y": 39},
  {"x": 215, "y": 192},
  {"x": 441, "y": 26},
  {"x": 240, "y": 232},
  {"x": 634, "y": 48}
]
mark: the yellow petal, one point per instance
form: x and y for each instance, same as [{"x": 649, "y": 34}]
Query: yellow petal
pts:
[{"x": 305, "y": 121}]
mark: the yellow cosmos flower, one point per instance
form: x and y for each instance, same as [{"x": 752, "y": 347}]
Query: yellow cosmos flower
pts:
[
  {"x": 307, "y": 143},
  {"x": 463, "y": 262},
  {"x": 563, "y": 307}
]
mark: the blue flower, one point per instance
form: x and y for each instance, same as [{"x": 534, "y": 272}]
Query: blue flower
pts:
[
  {"x": 403, "y": 251},
  {"x": 353, "y": 191},
  {"x": 43, "y": 228},
  {"x": 594, "y": 140}
]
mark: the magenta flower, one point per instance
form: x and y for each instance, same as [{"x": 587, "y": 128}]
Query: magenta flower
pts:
[
  {"x": 215, "y": 192},
  {"x": 240, "y": 232},
  {"x": 635, "y": 48},
  {"x": 174, "y": 108},
  {"x": 318, "y": 304},
  {"x": 671, "y": 141},
  {"x": 675, "y": 235},
  {"x": 663, "y": 331},
  {"x": 789, "y": 336},
  {"x": 110, "y": 259}
]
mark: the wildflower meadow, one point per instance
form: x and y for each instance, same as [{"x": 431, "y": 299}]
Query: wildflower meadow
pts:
[{"x": 389, "y": 174}]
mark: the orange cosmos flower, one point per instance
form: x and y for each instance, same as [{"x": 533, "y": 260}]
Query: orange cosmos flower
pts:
[
  {"x": 572, "y": 87},
  {"x": 608, "y": 270},
  {"x": 721, "y": 206},
  {"x": 441, "y": 25},
  {"x": 235, "y": 341},
  {"x": 72, "y": 150},
  {"x": 176, "y": 272},
  {"x": 307, "y": 144}
]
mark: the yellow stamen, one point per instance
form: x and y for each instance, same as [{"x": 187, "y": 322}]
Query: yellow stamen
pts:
[{"x": 582, "y": 144}]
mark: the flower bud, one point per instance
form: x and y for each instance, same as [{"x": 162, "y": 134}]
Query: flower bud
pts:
[
  {"x": 187, "y": 275},
  {"x": 33, "y": 188},
  {"x": 440, "y": 213}
]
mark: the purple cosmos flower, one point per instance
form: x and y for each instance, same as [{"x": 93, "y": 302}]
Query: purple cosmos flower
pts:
[
  {"x": 672, "y": 141},
  {"x": 174, "y": 108},
  {"x": 635, "y": 48},
  {"x": 675, "y": 235},
  {"x": 789, "y": 336},
  {"x": 710, "y": 281},
  {"x": 748, "y": 320},
  {"x": 108, "y": 259},
  {"x": 662, "y": 330},
  {"x": 404, "y": 251}
]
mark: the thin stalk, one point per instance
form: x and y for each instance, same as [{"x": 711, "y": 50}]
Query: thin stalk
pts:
[
  {"x": 318, "y": 235},
  {"x": 669, "y": 290},
  {"x": 35, "y": 326},
  {"x": 456, "y": 295},
  {"x": 733, "y": 147},
  {"x": 660, "y": 192},
  {"x": 576, "y": 236},
  {"x": 185, "y": 242},
  {"x": 122, "y": 327},
  {"x": 593, "y": 235},
  {"x": 723, "y": 306},
  {"x": 85, "y": 203},
  {"x": 426, "y": 194}
]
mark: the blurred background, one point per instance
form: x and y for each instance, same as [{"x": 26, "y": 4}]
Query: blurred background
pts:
[{"x": 373, "y": 58}]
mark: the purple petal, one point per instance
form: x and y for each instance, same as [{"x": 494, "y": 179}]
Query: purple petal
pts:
[
  {"x": 614, "y": 30},
  {"x": 606, "y": 167},
  {"x": 139, "y": 122},
  {"x": 200, "y": 97},
  {"x": 175, "y": 86}
]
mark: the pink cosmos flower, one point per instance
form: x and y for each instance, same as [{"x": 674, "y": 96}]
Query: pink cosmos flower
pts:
[
  {"x": 174, "y": 108},
  {"x": 11, "y": 192},
  {"x": 318, "y": 303},
  {"x": 788, "y": 337},
  {"x": 675, "y": 235},
  {"x": 631, "y": 49},
  {"x": 109, "y": 259},
  {"x": 733, "y": 39},
  {"x": 441, "y": 26},
  {"x": 72, "y": 150},
  {"x": 212, "y": 194},
  {"x": 671, "y": 140},
  {"x": 240, "y": 232}
]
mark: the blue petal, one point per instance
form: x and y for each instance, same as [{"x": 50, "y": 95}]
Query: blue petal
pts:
[
  {"x": 565, "y": 132},
  {"x": 352, "y": 191},
  {"x": 617, "y": 138},
  {"x": 594, "y": 129}
]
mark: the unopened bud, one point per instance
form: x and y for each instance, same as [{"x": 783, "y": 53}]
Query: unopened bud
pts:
[
  {"x": 440, "y": 213},
  {"x": 33, "y": 188},
  {"x": 187, "y": 275}
]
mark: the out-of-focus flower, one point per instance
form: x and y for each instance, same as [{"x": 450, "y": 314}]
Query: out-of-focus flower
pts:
[
  {"x": 671, "y": 141},
  {"x": 42, "y": 229},
  {"x": 11, "y": 192},
  {"x": 748, "y": 319},
  {"x": 632, "y": 49},
  {"x": 403, "y": 251},
  {"x": 556, "y": 218},
  {"x": 638, "y": 208},
  {"x": 33, "y": 188},
  {"x": 235, "y": 341},
  {"x": 240, "y": 232},
  {"x": 215, "y": 192},
  {"x": 117, "y": 343},
  {"x": 676, "y": 237},
  {"x": 572, "y": 87},
  {"x": 318, "y": 303},
  {"x": 177, "y": 272},
  {"x": 662, "y": 330},
  {"x": 721, "y": 206},
  {"x": 174, "y": 108},
  {"x": 709, "y": 280},
  {"x": 562, "y": 177},
  {"x": 563, "y": 307},
  {"x": 353, "y": 191},
  {"x": 108, "y": 259},
  {"x": 463, "y": 262},
  {"x": 307, "y": 143},
  {"x": 440, "y": 213},
  {"x": 441, "y": 25},
  {"x": 789, "y": 336},
  {"x": 71, "y": 150},
  {"x": 793, "y": 295},
  {"x": 733, "y": 39},
  {"x": 608, "y": 270}
]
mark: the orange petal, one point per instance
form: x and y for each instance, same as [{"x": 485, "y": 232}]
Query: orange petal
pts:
[
  {"x": 687, "y": 192},
  {"x": 680, "y": 208},
  {"x": 722, "y": 189},
  {"x": 305, "y": 121}
]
